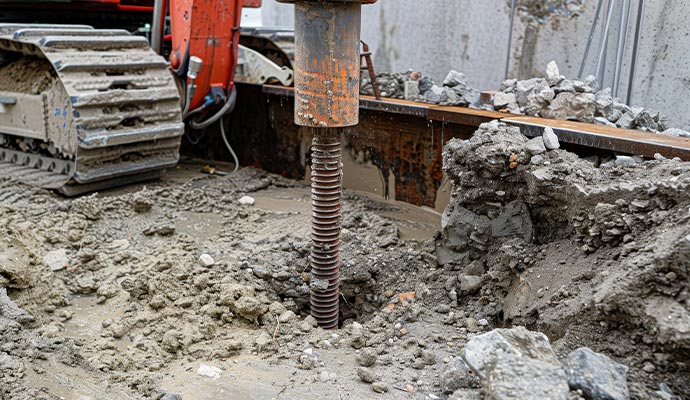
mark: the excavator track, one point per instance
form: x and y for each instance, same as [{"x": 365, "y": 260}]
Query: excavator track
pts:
[{"x": 100, "y": 108}]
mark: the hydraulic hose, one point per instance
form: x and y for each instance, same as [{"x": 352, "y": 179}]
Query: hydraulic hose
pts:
[
  {"x": 227, "y": 107},
  {"x": 227, "y": 144}
]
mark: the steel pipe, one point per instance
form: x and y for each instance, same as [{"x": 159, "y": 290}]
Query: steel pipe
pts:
[
  {"x": 158, "y": 25},
  {"x": 510, "y": 36},
  {"x": 590, "y": 39},
  {"x": 601, "y": 62},
  {"x": 635, "y": 49}
]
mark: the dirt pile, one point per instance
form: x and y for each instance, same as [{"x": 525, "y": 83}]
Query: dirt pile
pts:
[
  {"x": 592, "y": 253},
  {"x": 178, "y": 289},
  {"x": 154, "y": 291}
]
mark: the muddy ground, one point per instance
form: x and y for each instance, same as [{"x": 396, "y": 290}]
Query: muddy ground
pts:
[{"x": 174, "y": 289}]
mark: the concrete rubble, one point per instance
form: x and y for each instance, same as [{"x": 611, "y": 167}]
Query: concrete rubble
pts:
[
  {"x": 411, "y": 85},
  {"x": 556, "y": 97},
  {"x": 552, "y": 96}
]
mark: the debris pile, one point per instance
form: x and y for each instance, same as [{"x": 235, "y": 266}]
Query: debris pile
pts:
[
  {"x": 593, "y": 253},
  {"x": 152, "y": 292},
  {"x": 411, "y": 85},
  {"x": 519, "y": 364},
  {"x": 553, "y": 96}
]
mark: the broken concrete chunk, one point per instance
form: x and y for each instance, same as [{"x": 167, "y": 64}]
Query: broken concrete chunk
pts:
[
  {"x": 464, "y": 228},
  {"x": 512, "y": 377},
  {"x": 626, "y": 121},
  {"x": 534, "y": 95},
  {"x": 432, "y": 95},
  {"x": 647, "y": 120},
  {"x": 508, "y": 86},
  {"x": 524, "y": 88},
  {"x": 480, "y": 351},
  {"x": 536, "y": 146},
  {"x": 591, "y": 82},
  {"x": 553, "y": 74},
  {"x": 628, "y": 160},
  {"x": 604, "y": 103},
  {"x": 571, "y": 106},
  {"x": 411, "y": 90},
  {"x": 206, "y": 260},
  {"x": 566, "y": 85},
  {"x": 445, "y": 256},
  {"x": 425, "y": 84},
  {"x": 550, "y": 139},
  {"x": 56, "y": 260},
  {"x": 596, "y": 375},
  {"x": 504, "y": 100},
  {"x": 367, "y": 357},
  {"x": 379, "y": 387},
  {"x": 262, "y": 340},
  {"x": 457, "y": 375},
  {"x": 455, "y": 78},
  {"x": 589, "y": 85},
  {"x": 209, "y": 371},
  {"x": 450, "y": 96}
]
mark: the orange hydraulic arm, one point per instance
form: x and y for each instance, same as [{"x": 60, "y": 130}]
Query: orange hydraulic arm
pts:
[{"x": 205, "y": 38}]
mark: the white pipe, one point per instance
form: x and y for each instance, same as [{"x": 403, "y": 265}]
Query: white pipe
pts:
[{"x": 157, "y": 27}]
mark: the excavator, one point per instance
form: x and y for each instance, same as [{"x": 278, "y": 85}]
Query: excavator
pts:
[{"x": 98, "y": 93}]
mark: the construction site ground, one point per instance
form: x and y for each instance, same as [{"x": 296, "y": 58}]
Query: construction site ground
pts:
[{"x": 179, "y": 287}]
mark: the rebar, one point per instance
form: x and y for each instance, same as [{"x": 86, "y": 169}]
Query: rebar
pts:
[{"x": 326, "y": 188}]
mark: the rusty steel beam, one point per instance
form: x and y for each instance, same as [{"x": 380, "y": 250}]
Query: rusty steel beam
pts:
[
  {"x": 578, "y": 133},
  {"x": 606, "y": 138}
]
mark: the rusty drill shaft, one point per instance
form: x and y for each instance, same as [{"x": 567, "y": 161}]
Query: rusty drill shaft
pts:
[
  {"x": 327, "y": 67},
  {"x": 326, "y": 177}
]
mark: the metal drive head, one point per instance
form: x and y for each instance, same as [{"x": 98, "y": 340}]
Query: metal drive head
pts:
[
  {"x": 327, "y": 62},
  {"x": 328, "y": 1}
]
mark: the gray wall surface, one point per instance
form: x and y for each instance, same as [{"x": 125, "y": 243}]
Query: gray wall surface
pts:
[{"x": 471, "y": 36}]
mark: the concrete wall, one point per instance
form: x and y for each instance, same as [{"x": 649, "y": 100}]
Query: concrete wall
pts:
[{"x": 471, "y": 36}]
